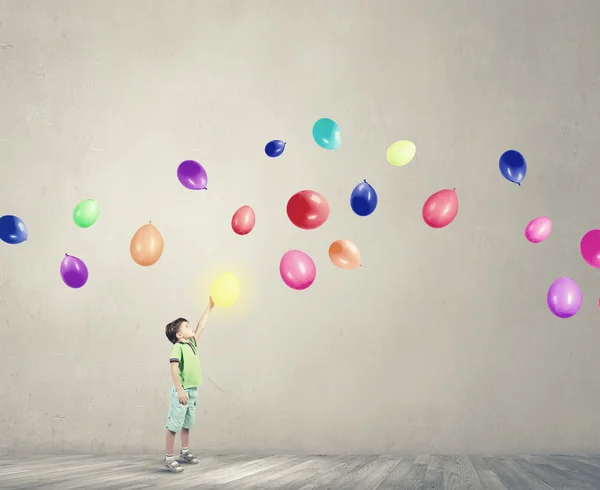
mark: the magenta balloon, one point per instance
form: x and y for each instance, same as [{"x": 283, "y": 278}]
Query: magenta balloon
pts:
[
  {"x": 297, "y": 270},
  {"x": 564, "y": 297},
  {"x": 590, "y": 248},
  {"x": 538, "y": 229},
  {"x": 73, "y": 271},
  {"x": 192, "y": 175}
]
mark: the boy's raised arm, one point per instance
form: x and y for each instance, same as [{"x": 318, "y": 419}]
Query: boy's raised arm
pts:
[{"x": 203, "y": 320}]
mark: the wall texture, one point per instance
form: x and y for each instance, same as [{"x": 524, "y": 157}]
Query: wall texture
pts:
[{"x": 442, "y": 342}]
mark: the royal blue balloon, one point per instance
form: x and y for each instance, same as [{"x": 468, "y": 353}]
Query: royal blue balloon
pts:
[
  {"x": 12, "y": 230},
  {"x": 274, "y": 148},
  {"x": 363, "y": 199},
  {"x": 513, "y": 166}
]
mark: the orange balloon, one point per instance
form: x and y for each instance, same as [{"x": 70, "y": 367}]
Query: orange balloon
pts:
[
  {"x": 344, "y": 254},
  {"x": 146, "y": 245}
]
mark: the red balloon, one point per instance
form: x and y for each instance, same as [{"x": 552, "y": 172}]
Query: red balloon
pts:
[
  {"x": 243, "y": 220},
  {"x": 441, "y": 208},
  {"x": 308, "y": 210}
]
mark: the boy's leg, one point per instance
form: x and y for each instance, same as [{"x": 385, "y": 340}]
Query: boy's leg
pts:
[
  {"x": 175, "y": 420},
  {"x": 188, "y": 423}
]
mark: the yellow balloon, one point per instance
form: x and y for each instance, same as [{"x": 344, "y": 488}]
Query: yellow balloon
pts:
[
  {"x": 225, "y": 290},
  {"x": 400, "y": 153}
]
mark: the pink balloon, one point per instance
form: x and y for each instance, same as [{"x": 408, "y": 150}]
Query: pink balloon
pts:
[
  {"x": 590, "y": 248},
  {"x": 297, "y": 270},
  {"x": 538, "y": 229},
  {"x": 441, "y": 208}
]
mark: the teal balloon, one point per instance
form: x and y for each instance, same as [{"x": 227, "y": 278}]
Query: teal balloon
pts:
[{"x": 327, "y": 134}]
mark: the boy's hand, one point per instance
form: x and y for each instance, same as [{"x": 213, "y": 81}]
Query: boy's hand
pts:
[
  {"x": 211, "y": 303},
  {"x": 183, "y": 398}
]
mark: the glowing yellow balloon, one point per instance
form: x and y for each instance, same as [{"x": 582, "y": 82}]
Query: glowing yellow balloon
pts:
[
  {"x": 400, "y": 153},
  {"x": 225, "y": 290}
]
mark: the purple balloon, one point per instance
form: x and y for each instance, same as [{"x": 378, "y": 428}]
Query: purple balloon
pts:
[
  {"x": 73, "y": 271},
  {"x": 564, "y": 297},
  {"x": 192, "y": 175}
]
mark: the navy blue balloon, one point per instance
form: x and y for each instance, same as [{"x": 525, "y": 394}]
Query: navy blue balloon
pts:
[
  {"x": 513, "y": 166},
  {"x": 274, "y": 148},
  {"x": 12, "y": 230},
  {"x": 363, "y": 199}
]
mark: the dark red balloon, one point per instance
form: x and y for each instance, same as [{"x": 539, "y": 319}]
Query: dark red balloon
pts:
[{"x": 308, "y": 210}]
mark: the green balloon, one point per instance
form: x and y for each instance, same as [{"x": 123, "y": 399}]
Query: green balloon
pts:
[{"x": 86, "y": 213}]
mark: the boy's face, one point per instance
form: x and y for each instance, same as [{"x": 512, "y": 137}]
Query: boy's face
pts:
[{"x": 185, "y": 332}]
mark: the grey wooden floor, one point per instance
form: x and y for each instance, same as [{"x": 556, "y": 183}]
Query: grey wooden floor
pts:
[{"x": 306, "y": 473}]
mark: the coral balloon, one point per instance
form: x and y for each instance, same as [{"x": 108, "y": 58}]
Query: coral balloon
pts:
[
  {"x": 225, "y": 290},
  {"x": 564, "y": 298},
  {"x": 308, "y": 210},
  {"x": 590, "y": 248},
  {"x": 538, "y": 229},
  {"x": 146, "y": 245},
  {"x": 12, "y": 230},
  {"x": 243, "y": 220},
  {"x": 297, "y": 270},
  {"x": 344, "y": 254},
  {"x": 192, "y": 175},
  {"x": 441, "y": 208},
  {"x": 73, "y": 271},
  {"x": 363, "y": 199},
  {"x": 86, "y": 213}
]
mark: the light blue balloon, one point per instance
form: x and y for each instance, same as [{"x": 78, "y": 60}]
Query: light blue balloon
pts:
[{"x": 327, "y": 134}]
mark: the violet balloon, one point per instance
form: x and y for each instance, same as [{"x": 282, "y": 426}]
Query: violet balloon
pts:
[
  {"x": 192, "y": 175},
  {"x": 538, "y": 229},
  {"x": 564, "y": 298},
  {"x": 297, "y": 270},
  {"x": 73, "y": 271}
]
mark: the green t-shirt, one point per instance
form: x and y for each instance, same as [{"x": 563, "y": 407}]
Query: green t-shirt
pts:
[{"x": 186, "y": 354}]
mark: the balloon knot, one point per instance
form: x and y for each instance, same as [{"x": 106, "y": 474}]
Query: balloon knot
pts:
[
  {"x": 204, "y": 189},
  {"x": 454, "y": 189},
  {"x": 519, "y": 184},
  {"x": 365, "y": 181},
  {"x": 66, "y": 255}
]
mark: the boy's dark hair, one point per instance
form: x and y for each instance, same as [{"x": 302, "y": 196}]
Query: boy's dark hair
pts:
[{"x": 172, "y": 328}]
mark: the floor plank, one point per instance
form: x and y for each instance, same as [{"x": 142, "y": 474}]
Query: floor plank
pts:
[{"x": 311, "y": 472}]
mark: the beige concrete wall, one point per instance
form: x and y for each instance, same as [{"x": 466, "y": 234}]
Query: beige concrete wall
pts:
[{"x": 440, "y": 343}]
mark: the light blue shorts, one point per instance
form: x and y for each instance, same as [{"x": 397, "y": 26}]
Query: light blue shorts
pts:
[{"x": 182, "y": 416}]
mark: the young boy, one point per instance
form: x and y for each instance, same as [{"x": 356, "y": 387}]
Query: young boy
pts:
[{"x": 187, "y": 376}]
